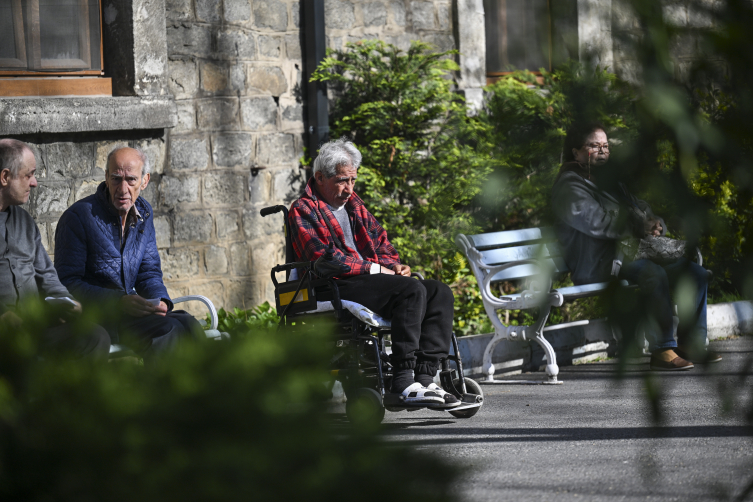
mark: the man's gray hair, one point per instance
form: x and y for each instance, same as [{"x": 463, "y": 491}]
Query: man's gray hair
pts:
[
  {"x": 12, "y": 155},
  {"x": 334, "y": 154},
  {"x": 146, "y": 165}
]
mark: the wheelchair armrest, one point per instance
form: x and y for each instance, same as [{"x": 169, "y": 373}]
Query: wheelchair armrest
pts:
[
  {"x": 206, "y": 301},
  {"x": 417, "y": 274}
]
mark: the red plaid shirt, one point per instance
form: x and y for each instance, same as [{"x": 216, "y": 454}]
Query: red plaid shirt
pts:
[{"x": 311, "y": 235}]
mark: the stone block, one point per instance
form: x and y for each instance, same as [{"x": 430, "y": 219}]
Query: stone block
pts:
[
  {"x": 179, "y": 264},
  {"x": 397, "y": 8},
  {"x": 236, "y": 11},
  {"x": 41, "y": 172},
  {"x": 45, "y": 240},
  {"x": 189, "y": 40},
  {"x": 192, "y": 227},
  {"x": 86, "y": 189},
  {"x": 155, "y": 150},
  {"x": 675, "y": 14},
  {"x": 218, "y": 114},
  {"x": 102, "y": 150},
  {"x": 184, "y": 80},
  {"x": 443, "y": 16},
  {"x": 224, "y": 188},
  {"x": 214, "y": 78},
  {"x": 231, "y": 150},
  {"x": 267, "y": 255},
  {"x": 374, "y": 14},
  {"x": 49, "y": 198},
  {"x": 162, "y": 231},
  {"x": 227, "y": 225},
  {"x": 235, "y": 43},
  {"x": 256, "y": 227},
  {"x": 292, "y": 116},
  {"x": 208, "y": 10},
  {"x": 178, "y": 10},
  {"x": 259, "y": 114},
  {"x": 188, "y": 153},
  {"x": 174, "y": 191},
  {"x": 288, "y": 184},
  {"x": 68, "y": 160},
  {"x": 215, "y": 260},
  {"x": 423, "y": 15},
  {"x": 186, "y": 117},
  {"x": 275, "y": 149},
  {"x": 339, "y": 15},
  {"x": 266, "y": 80},
  {"x": 259, "y": 186},
  {"x": 151, "y": 193},
  {"x": 271, "y": 14},
  {"x": 293, "y": 46},
  {"x": 270, "y": 47},
  {"x": 244, "y": 294},
  {"x": 295, "y": 14},
  {"x": 238, "y": 78},
  {"x": 239, "y": 258},
  {"x": 214, "y": 290}
]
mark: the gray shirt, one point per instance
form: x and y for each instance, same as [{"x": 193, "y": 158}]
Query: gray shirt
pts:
[
  {"x": 25, "y": 267},
  {"x": 344, "y": 220}
]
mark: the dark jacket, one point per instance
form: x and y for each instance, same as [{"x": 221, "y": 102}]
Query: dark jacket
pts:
[
  {"x": 313, "y": 225},
  {"x": 25, "y": 267},
  {"x": 88, "y": 254},
  {"x": 590, "y": 222}
]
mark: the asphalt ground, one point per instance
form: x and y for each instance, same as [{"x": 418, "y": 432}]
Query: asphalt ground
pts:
[{"x": 596, "y": 437}]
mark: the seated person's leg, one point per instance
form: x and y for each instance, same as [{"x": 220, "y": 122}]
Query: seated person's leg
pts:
[
  {"x": 189, "y": 322},
  {"x": 152, "y": 333},
  {"x": 89, "y": 342},
  {"x": 400, "y": 299},
  {"x": 436, "y": 331}
]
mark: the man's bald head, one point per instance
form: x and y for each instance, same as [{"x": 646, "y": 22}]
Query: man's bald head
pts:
[
  {"x": 129, "y": 155},
  {"x": 12, "y": 155}
]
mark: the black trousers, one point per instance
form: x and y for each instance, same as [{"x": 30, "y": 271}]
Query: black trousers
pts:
[
  {"x": 68, "y": 339},
  {"x": 153, "y": 334},
  {"x": 421, "y": 313}
]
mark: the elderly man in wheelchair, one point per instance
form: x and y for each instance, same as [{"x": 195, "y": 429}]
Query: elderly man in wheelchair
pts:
[{"x": 331, "y": 229}]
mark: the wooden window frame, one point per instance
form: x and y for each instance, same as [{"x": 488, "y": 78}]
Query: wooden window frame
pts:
[{"x": 46, "y": 67}]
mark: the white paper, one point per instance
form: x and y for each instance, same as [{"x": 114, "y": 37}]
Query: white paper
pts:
[{"x": 155, "y": 301}]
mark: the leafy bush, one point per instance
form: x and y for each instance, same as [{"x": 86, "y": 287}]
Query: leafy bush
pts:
[
  {"x": 263, "y": 318},
  {"x": 234, "y": 420}
]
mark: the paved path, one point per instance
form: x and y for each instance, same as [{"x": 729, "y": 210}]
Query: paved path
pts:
[{"x": 593, "y": 438}]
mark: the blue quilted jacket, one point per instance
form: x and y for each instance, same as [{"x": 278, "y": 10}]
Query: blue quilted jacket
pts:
[{"x": 88, "y": 257}]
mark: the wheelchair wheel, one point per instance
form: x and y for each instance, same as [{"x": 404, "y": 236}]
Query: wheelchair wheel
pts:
[
  {"x": 472, "y": 387},
  {"x": 364, "y": 407}
]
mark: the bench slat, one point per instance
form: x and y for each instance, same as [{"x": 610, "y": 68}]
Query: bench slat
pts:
[
  {"x": 507, "y": 237},
  {"x": 576, "y": 292},
  {"x": 517, "y": 253},
  {"x": 524, "y": 271}
]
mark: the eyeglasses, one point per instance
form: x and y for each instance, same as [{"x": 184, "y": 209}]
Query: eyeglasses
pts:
[{"x": 595, "y": 147}]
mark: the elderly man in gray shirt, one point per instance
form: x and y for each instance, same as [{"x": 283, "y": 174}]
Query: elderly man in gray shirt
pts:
[{"x": 25, "y": 268}]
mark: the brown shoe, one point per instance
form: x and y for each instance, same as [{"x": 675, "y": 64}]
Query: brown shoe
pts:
[
  {"x": 704, "y": 357},
  {"x": 676, "y": 364}
]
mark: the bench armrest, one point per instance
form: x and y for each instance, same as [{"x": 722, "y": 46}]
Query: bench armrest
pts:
[
  {"x": 527, "y": 299},
  {"x": 206, "y": 301}
]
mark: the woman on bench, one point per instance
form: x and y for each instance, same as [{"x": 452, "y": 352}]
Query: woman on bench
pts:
[{"x": 594, "y": 211}]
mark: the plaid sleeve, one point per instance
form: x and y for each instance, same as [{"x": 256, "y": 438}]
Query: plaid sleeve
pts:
[
  {"x": 311, "y": 238},
  {"x": 386, "y": 253}
]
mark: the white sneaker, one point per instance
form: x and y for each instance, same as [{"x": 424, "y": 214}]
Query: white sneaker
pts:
[
  {"x": 416, "y": 393},
  {"x": 449, "y": 399}
]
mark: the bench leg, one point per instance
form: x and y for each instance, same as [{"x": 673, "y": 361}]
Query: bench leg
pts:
[{"x": 552, "y": 370}]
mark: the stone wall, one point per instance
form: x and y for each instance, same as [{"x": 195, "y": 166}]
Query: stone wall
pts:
[{"x": 235, "y": 71}]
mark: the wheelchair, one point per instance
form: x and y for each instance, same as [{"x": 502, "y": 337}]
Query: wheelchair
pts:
[{"x": 360, "y": 361}]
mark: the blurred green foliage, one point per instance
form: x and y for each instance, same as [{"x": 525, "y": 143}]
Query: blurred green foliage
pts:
[
  {"x": 244, "y": 419},
  {"x": 263, "y": 318}
]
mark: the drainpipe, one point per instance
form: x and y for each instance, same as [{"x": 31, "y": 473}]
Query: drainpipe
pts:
[{"x": 317, "y": 124}]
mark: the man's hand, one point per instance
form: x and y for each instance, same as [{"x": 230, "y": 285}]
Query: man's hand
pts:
[
  {"x": 403, "y": 270},
  {"x": 75, "y": 309},
  {"x": 653, "y": 227},
  {"x": 11, "y": 320},
  {"x": 136, "y": 306},
  {"x": 161, "y": 309}
]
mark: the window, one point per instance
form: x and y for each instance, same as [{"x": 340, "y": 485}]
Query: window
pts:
[
  {"x": 50, "y": 38},
  {"x": 518, "y": 36}
]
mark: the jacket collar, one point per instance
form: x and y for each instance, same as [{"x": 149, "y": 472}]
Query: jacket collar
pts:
[{"x": 312, "y": 194}]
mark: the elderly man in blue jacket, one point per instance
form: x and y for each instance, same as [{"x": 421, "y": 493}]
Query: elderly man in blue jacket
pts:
[{"x": 106, "y": 250}]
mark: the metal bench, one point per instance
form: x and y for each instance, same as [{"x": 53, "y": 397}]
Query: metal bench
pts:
[{"x": 530, "y": 257}]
